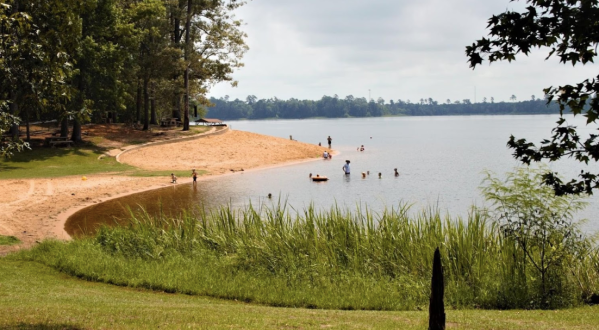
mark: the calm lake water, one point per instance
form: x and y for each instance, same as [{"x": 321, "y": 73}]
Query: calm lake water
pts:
[{"x": 440, "y": 161}]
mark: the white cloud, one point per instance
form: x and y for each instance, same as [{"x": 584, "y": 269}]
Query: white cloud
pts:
[{"x": 402, "y": 49}]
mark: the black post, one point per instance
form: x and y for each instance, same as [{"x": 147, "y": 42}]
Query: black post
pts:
[{"x": 436, "y": 310}]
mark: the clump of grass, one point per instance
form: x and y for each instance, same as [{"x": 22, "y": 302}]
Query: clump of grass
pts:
[
  {"x": 9, "y": 240},
  {"x": 334, "y": 259}
]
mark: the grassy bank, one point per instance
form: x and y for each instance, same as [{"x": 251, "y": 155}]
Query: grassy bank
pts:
[
  {"x": 34, "y": 297},
  {"x": 88, "y": 158},
  {"x": 334, "y": 260},
  {"x": 53, "y": 163},
  {"x": 8, "y": 240}
]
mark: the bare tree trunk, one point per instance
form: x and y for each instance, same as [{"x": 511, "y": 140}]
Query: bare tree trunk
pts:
[
  {"x": 153, "y": 119},
  {"x": 186, "y": 78},
  {"x": 14, "y": 110},
  {"x": 146, "y": 105},
  {"x": 186, "y": 102},
  {"x": 76, "y": 136},
  {"x": 14, "y": 107},
  {"x": 27, "y": 126},
  {"x": 176, "y": 112},
  {"x": 64, "y": 127},
  {"x": 138, "y": 104},
  {"x": 436, "y": 311}
]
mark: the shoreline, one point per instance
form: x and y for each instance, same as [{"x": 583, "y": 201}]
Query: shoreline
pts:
[
  {"x": 65, "y": 215},
  {"x": 37, "y": 209}
]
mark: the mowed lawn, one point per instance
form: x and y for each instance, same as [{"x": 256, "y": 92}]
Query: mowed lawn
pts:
[
  {"x": 52, "y": 163},
  {"x": 33, "y": 296}
]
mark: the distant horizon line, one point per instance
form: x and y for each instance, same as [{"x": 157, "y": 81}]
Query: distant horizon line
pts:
[{"x": 386, "y": 101}]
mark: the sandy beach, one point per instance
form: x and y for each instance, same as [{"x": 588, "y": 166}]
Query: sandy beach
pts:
[{"x": 36, "y": 209}]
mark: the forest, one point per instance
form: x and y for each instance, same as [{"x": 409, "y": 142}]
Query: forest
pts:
[
  {"x": 139, "y": 61},
  {"x": 131, "y": 61},
  {"x": 335, "y": 107}
]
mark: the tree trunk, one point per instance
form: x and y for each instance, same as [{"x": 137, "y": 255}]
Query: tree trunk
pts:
[
  {"x": 138, "y": 104},
  {"x": 146, "y": 105},
  {"x": 436, "y": 311},
  {"x": 14, "y": 107},
  {"x": 64, "y": 127},
  {"x": 176, "y": 112},
  {"x": 153, "y": 119},
  {"x": 186, "y": 102},
  {"x": 27, "y": 126},
  {"x": 76, "y": 136},
  {"x": 14, "y": 110},
  {"x": 186, "y": 78}
]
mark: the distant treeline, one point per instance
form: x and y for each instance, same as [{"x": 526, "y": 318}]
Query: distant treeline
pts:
[{"x": 335, "y": 107}]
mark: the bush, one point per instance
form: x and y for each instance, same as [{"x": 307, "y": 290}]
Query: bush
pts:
[{"x": 539, "y": 228}]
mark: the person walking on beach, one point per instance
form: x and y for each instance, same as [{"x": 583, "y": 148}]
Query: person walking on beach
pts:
[
  {"x": 329, "y": 140},
  {"x": 346, "y": 167},
  {"x": 173, "y": 178},
  {"x": 194, "y": 175}
]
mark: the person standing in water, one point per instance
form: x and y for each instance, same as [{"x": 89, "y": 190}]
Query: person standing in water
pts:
[
  {"x": 346, "y": 167},
  {"x": 329, "y": 140},
  {"x": 194, "y": 175}
]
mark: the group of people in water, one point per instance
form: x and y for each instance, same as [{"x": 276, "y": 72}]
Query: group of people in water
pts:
[
  {"x": 347, "y": 170},
  {"x": 194, "y": 175},
  {"x": 364, "y": 174},
  {"x": 346, "y": 167}
]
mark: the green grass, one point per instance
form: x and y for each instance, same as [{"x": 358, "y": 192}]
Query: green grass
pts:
[
  {"x": 9, "y": 240},
  {"x": 333, "y": 260},
  {"x": 33, "y": 296},
  {"x": 51, "y": 163},
  {"x": 55, "y": 162}
]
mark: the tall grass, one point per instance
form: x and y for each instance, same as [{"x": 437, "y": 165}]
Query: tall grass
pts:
[{"x": 321, "y": 259}]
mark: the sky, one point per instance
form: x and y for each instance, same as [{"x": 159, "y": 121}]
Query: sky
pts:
[{"x": 394, "y": 49}]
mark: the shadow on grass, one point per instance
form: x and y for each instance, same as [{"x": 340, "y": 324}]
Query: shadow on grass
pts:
[
  {"x": 4, "y": 167},
  {"x": 45, "y": 153},
  {"x": 9, "y": 240},
  {"x": 39, "y": 326}
]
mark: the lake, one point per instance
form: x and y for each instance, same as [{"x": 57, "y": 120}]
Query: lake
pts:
[{"x": 440, "y": 160}]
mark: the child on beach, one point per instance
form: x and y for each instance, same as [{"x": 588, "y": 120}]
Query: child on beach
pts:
[
  {"x": 194, "y": 175},
  {"x": 173, "y": 178}
]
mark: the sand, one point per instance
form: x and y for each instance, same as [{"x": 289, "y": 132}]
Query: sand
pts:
[{"x": 36, "y": 209}]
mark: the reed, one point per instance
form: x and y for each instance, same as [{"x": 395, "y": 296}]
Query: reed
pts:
[{"x": 321, "y": 259}]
